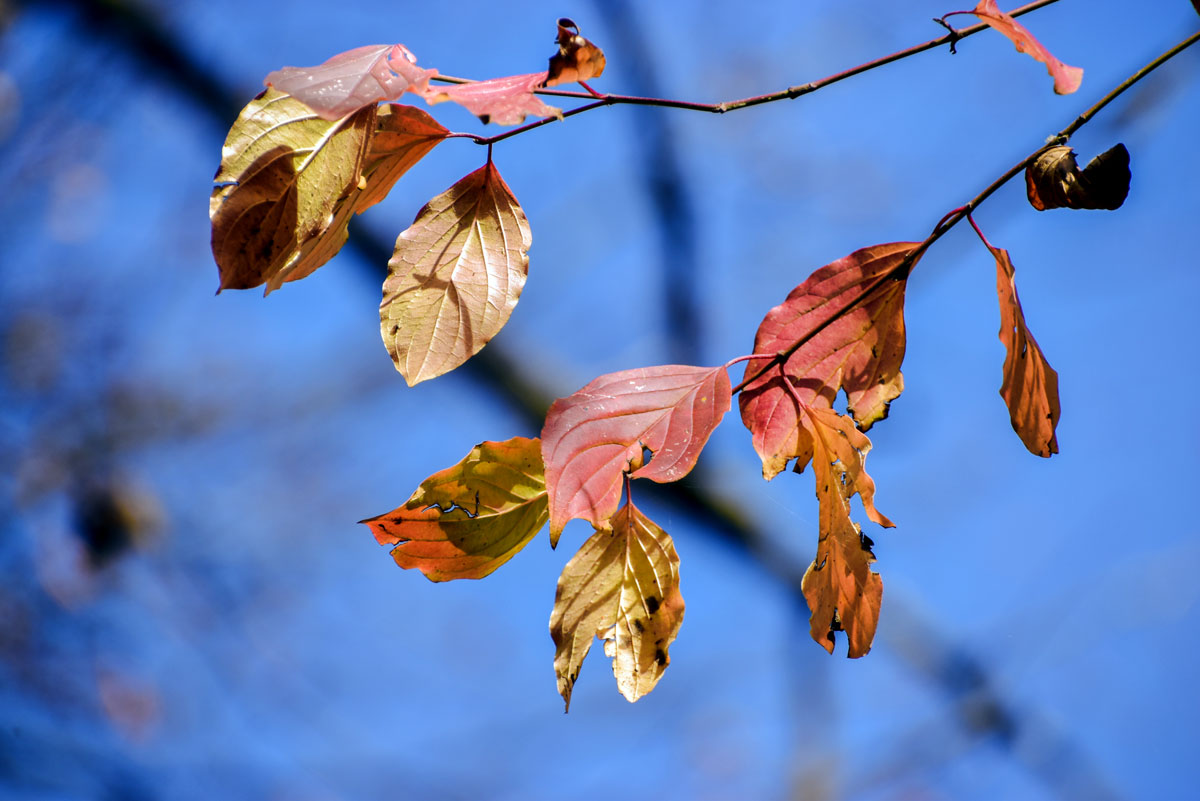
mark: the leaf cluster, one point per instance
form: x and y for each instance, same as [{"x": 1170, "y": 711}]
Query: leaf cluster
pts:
[{"x": 315, "y": 149}]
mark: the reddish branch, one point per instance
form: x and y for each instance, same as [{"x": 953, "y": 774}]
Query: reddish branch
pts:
[
  {"x": 956, "y": 216},
  {"x": 791, "y": 93}
]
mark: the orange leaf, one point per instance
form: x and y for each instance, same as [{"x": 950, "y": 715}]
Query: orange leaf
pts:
[
  {"x": 504, "y": 101},
  {"x": 593, "y": 437},
  {"x": 623, "y": 586},
  {"x": 1030, "y": 388},
  {"x": 469, "y": 519},
  {"x": 849, "y": 320},
  {"x": 403, "y": 136},
  {"x": 1054, "y": 180},
  {"x": 1066, "y": 79},
  {"x": 577, "y": 59},
  {"x": 455, "y": 276},
  {"x": 843, "y": 592}
]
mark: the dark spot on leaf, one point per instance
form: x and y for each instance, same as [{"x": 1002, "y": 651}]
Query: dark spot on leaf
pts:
[
  {"x": 637, "y": 624},
  {"x": 652, "y": 604},
  {"x": 660, "y": 656}
]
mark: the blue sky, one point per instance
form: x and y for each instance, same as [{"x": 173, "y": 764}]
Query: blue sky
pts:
[{"x": 258, "y": 643}]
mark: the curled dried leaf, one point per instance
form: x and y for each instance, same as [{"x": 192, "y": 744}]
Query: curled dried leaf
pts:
[
  {"x": 1030, "y": 388},
  {"x": 577, "y": 59},
  {"x": 1055, "y": 181},
  {"x": 1066, "y": 79}
]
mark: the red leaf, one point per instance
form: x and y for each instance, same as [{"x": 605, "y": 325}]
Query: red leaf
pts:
[
  {"x": 848, "y": 319},
  {"x": 1030, "y": 388},
  {"x": 504, "y": 101},
  {"x": 351, "y": 80},
  {"x": 1066, "y": 79},
  {"x": 593, "y": 437}
]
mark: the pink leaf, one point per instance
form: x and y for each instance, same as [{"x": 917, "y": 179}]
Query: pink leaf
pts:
[
  {"x": 504, "y": 101},
  {"x": 354, "y": 79},
  {"x": 592, "y": 437},
  {"x": 1066, "y": 79}
]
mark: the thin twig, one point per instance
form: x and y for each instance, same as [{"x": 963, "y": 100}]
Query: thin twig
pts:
[
  {"x": 792, "y": 92},
  {"x": 954, "y": 217}
]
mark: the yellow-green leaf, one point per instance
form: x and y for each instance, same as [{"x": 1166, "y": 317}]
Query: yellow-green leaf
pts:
[
  {"x": 278, "y": 209},
  {"x": 622, "y": 586},
  {"x": 455, "y": 276},
  {"x": 467, "y": 520}
]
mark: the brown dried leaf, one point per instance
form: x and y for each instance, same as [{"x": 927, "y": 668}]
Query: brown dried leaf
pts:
[
  {"x": 278, "y": 206},
  {"x": 843, "y": 592},
  {"x": 1055, "y": 181},
  {"x": 622, "y": 586},
  {"x": 455, "y": 276},
  {"x": 1030, "y": 388},
  {"x": 577, "y": 59}
]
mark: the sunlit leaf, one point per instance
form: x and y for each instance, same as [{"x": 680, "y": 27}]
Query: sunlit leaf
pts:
[
  {"x": 1066, "y": 79},
  {"x": 1030, "y": 388},
  {"x": 504, "y": 101},
  {"x": 1054, "y": 180},
  {"x": 577, "y": 59},
  {"x": 843, "y": 592},
  {"x": 622, "y": 586},
  {"x": 594, "y": 436},
  {"x": 844, "y": 327},
  {"x": 455, "y": 276},
  {"x": 403, "y": 136},
  {"x": 278, "y": 206},
  {"x": 469, "y": 519},
  {"x": 354, "y": 79}
]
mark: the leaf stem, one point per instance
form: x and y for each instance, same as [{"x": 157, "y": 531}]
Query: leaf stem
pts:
[{"x": 956, "y": 216}]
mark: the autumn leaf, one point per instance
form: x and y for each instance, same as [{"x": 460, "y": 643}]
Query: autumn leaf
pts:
[
  {"x": 843, "y": 593},
  {"x": 577, "y": 59},
  {"x": 1030, "y": 387},
  {"x": 403, "y": 135},
  {"x": 622, "y": 586},
  {"x": 504, "y": 101},
  {"x": 843, "y": 329},
  {"x": 278, "y": 206},
  {"x": 469, "y": 519},
  {"x": 455, "y": 276},
  {"x": 591, "y": 438},
  {"x": 1066, "y": 79},
  {"x": 354, "y": 79},
  {"x": 1054, "y": 180}
]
